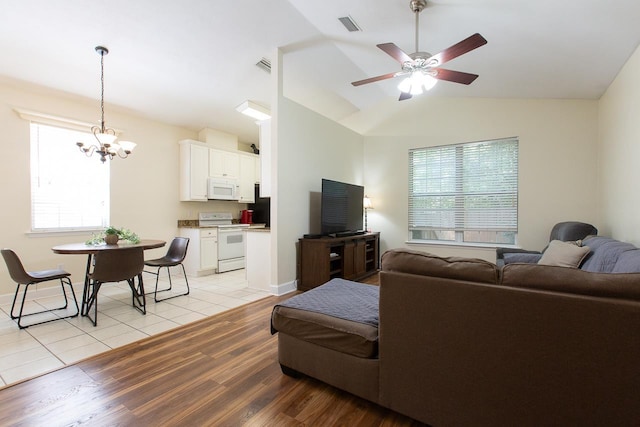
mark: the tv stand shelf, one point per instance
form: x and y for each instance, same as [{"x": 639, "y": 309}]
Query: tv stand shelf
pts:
[{"x": 351, "y": 257}]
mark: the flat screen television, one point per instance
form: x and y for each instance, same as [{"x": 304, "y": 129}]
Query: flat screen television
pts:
[{"x": 341, "y": 208}]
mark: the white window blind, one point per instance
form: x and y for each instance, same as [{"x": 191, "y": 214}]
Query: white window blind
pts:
[
  {"x": 464, "y": 192},
  {"x": 68, "y": 190}
]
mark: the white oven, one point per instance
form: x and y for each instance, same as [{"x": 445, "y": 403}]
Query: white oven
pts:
[
  {"x": 230, "y": 239},
  {"x": 230, "y": 247}
]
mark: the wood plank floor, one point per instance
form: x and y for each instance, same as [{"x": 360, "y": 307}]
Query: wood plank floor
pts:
[{"x": 220, "y": 371}]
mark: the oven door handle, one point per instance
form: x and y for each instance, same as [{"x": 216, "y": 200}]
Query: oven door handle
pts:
[{"x": 228, "y": 230}]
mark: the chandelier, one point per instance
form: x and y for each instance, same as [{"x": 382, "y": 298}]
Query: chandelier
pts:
[{"x": 106, "y": 137}]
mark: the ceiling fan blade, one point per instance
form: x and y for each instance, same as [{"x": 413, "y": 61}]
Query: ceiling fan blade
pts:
[
  {"x": 404, "y": 95},
  {"x": 374, "y": 79},
  {"x": 466, "y": 45},
  {"x": 454, "y": 76},
  {"x": 395, "y": 52}
]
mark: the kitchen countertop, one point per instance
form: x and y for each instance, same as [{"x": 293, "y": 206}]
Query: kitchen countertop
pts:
[
  {"x": 194, "y": 223},
  {"x": 259, "y": 228}
]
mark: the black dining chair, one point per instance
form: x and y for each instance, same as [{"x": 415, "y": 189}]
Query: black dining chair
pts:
[
  {"x": 27, "y": 278},
  {"x": 115, "y": 266},
  {"x": 175, "y": 256}
]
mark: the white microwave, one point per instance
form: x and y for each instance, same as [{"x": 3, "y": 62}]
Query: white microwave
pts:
[{"x": 222, "y": 189}]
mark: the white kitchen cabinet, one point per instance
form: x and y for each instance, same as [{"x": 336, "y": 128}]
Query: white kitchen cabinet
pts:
[
  {"x": 224, "y": 164},
  {"x": 202, "y": 255},
  {"x": 194, "y": 171},
  {"x": 258, "y": 258},
  {"x": 198, "y": 162},
  {"x": 247, "y": 179},
  {"x": 258, "y": 170},
  {"x": 208, "y": 249}
]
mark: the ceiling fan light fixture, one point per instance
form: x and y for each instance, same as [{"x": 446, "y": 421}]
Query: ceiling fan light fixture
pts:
[
  {"x": 416, "y": 89},
  {"x": 405, "y": 85},
  {"x": 428, "y": 81},
  {"x": 417, "y": 83}
]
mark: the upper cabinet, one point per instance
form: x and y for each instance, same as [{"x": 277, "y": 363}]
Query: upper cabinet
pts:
[
  {"x": 248, "y": 177},
  {"x": 194, "y": 171},
  {"x": 199, "y": 162},
  {"x": 224, "y": 164}
]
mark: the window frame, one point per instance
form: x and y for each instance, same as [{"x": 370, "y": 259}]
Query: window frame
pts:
[
  {"x": 76, "y": 131},
  {"x": 451, "y": 215}
]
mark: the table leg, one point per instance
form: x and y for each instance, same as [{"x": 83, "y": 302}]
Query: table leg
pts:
[{"x": 85, "y": 290}]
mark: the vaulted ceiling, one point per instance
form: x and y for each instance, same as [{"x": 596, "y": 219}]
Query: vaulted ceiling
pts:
[{"x": 191, "y": 62}]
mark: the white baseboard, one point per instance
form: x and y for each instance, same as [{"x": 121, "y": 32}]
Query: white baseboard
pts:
[
  {"x": 284, "y": 288},
  {"x": 41, "y": 292}
]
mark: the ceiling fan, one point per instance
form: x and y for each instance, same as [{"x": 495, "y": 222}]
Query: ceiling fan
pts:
[{"x": 422, "y": 68}]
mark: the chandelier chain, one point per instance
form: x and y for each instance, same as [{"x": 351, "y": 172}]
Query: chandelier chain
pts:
[{"x": 102, "y": 91}]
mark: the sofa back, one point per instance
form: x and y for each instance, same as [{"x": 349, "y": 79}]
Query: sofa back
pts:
[
  {"x": 572, "y": 280},
  {"x": 426, "y": 264}
]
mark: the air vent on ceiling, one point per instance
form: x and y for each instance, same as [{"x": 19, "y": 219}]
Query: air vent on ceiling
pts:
[
  {"x": 349, "y": 23},
  {"x": 264, "y": 64}
]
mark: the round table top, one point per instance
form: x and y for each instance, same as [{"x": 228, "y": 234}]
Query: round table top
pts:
[{"x": 83, "y": 248}]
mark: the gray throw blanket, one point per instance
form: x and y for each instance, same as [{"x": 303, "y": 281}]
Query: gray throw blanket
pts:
[{"x": 340, "y": 298}]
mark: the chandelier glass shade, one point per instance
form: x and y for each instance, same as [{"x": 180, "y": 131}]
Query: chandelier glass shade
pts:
[{"x": 107, "y": 147}]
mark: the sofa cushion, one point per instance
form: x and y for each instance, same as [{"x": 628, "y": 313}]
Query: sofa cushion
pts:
[
  {"x": 340, "y": 315},
  {"x": 564, "y": 254},
  {"x": 604, "y": 255},
  {"x": 425, "y": 264},
  {"x": 628, "y": 262},
  {"x": 572, "y": 280}
]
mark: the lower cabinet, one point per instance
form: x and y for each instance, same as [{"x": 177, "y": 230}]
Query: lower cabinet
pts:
[
  {"x": 351, "y": 258},
  {"x": 202, "y": 255}
]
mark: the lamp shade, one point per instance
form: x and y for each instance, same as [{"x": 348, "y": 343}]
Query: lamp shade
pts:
[
  {"x": 366, "y": 203},
  {"x": 105, "y": 138},
  {"x": 127, "y": 146}
]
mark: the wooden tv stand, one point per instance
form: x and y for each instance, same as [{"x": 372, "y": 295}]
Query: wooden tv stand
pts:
[{"x": 322, "y": 259}]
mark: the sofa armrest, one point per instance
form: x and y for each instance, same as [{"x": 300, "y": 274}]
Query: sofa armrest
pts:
[
  {"x": 462, "y": 353},
  {"x": 502, "y": 255}
]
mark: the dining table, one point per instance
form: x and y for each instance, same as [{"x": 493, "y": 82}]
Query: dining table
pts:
[{"x": 91, "y": 249}]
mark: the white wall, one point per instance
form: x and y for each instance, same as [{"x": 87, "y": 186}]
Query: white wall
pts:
[
  {"x": 309, "y": 147},
  {"x": 619, "y": 154},
  {"x": 144, "y": 187},
  {"x": 557, "y": 170}
]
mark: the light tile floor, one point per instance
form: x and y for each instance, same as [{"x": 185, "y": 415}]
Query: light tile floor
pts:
[{"x": 29, "y": 352}]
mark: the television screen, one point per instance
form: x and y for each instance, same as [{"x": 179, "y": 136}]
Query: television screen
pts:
[{"x": 341, "y": 209}]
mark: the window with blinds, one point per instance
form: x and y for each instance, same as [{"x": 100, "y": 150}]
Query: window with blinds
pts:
[
  {"x": 464, "y": 192},
  {"x": 68, "y": 190}
]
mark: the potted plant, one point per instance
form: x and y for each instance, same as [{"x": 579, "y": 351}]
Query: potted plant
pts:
[{"x": 111, "y": 235}]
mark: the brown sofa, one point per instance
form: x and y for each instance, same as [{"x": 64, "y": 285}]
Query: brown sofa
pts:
[{"x": 462, "y": 343}]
